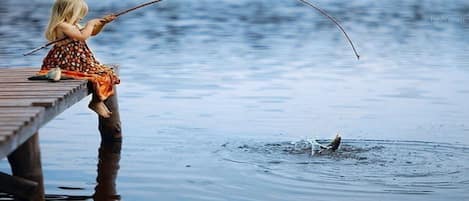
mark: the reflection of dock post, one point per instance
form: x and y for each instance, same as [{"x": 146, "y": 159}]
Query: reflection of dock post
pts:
[
  {"x": 110, "y": 128},
  {"x": 109, "y": 151},
  {"x": 25, "y": 163},
  {"x": 108, "y": 167}
]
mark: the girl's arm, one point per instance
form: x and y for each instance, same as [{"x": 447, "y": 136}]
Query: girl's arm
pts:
[
  {"x": 73, "y": 32},
  {"x": 106, "y": 19}
]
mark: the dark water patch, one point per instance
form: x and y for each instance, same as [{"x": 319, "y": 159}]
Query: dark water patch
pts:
[
  {"x": 70, "y": 188},
  {"x": 53, "y": 197}
]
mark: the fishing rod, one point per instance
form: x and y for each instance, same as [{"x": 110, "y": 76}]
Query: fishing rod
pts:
[
  {"x": 323, "y": 12},
  {"x": 65, "y": 38}
]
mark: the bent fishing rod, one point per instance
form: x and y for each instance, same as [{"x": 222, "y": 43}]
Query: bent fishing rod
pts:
[
  {"x": 117, "y": 15},
  {"x": 323, "y": 12}
]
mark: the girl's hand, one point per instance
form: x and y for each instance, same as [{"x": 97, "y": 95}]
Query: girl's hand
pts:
[
  {"x": 103, "y": 21},
  {"x": 108, "y": 18},
  {"x": 95, "y": 22}
]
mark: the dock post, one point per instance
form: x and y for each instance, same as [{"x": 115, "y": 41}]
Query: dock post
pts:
[
  {"x": 25, "y": 162},
  {"x": 110, "y": 128}
]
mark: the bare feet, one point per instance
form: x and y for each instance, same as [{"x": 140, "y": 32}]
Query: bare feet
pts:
[
  {"x": 106, "y": 108},
  {"x": 100, "y": 108}
]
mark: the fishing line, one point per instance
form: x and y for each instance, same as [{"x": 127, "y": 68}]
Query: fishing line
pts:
[{"x": 323, "y": 12}]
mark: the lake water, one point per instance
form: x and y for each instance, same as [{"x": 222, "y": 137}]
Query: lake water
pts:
[{"x": 214, "y": 92}]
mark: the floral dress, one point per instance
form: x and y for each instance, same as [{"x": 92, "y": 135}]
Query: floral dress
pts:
[{"x": 76, "y": 61}]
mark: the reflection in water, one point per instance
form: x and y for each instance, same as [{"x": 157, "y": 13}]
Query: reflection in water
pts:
[{"x": 108, "y": 167}]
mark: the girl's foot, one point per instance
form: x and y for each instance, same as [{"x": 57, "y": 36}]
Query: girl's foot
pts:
[
  {"x": 107, "y": 109},
  {"x": 100, "y": 109}
]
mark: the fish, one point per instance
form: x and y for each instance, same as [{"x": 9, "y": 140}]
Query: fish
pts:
[{"x": 318, "y": 148}]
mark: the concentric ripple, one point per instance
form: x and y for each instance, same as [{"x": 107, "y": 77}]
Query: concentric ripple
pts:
[{"x": 365, "y": 167}]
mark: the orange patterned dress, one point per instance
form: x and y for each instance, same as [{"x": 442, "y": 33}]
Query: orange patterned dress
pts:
[{"x": 76, "y": 61}]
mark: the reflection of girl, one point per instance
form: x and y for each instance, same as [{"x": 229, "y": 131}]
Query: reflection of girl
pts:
[{"x": 73, "y": 56}]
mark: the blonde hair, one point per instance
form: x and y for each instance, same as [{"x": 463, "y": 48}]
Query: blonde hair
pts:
[{"x": 70, "y": 11}]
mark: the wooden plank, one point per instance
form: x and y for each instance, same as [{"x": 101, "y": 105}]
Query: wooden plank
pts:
[
  {"x": 16, "y": 75},
  {"x": 22, "y": 134},
  {"x": 26, "y": 72},
  {"x": 13, "y": 81},
  {"x": 8, "y": 130},
  {"x": 46, "y": 102},
  {"x": 5, "y": 131},
  {"x": 15, "y": 119},
  {"x": 25, "y": 99},
  {"x": 17, "y": 114},
  {"x": 6, "y": 135},
  {"x": 8, "y": 80},
  {"x": 21, "y": 108},
  {"x": 43, "y": 96},
  {"x": 41, "y": 81},
  {"x": 27, "y": 117},
  {"x": 4, "y": 119},
  {"x": 16, "y": 70},
  {"x": 19, "y": 69},
  {"x": 25, "y": 80},
  {"x": 31, "y": 93},
  {"x": 29, "y": 98},
  {"x": 35, "y": 93},
  {"x": 9, "y": 110},
  {"x": 46, "y": 82},
  {"x": 52, "y": 89},
  {"x": 13, "y": 123},
  {"x": 23, "y": 96},
  {"x": 33, "y": 88},
  {"x": 44, "y": 85},
  {"x": 13, "y": 112},
  {"x": 20, "y": 120}
]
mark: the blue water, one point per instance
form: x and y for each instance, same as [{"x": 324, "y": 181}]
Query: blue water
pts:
[{"x": 197, "y": 75}]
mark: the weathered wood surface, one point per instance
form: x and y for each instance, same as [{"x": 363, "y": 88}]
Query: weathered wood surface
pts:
[{"x": 27, "y": 105}]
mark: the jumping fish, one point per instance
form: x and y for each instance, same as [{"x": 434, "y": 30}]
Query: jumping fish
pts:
[{"x": 318, "y": 148}]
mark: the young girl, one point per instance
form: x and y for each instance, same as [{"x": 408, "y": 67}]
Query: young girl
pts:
[{"x": 73, "y": 56}]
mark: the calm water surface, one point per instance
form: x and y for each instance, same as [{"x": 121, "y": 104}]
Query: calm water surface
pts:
[{"x": 213, "y": 92}]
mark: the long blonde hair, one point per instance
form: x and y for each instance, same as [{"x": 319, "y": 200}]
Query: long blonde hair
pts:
[{"x": 70, "y": 11}]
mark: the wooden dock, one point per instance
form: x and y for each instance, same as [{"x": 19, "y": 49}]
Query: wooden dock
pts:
[{"x": 26, "y": 106}]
